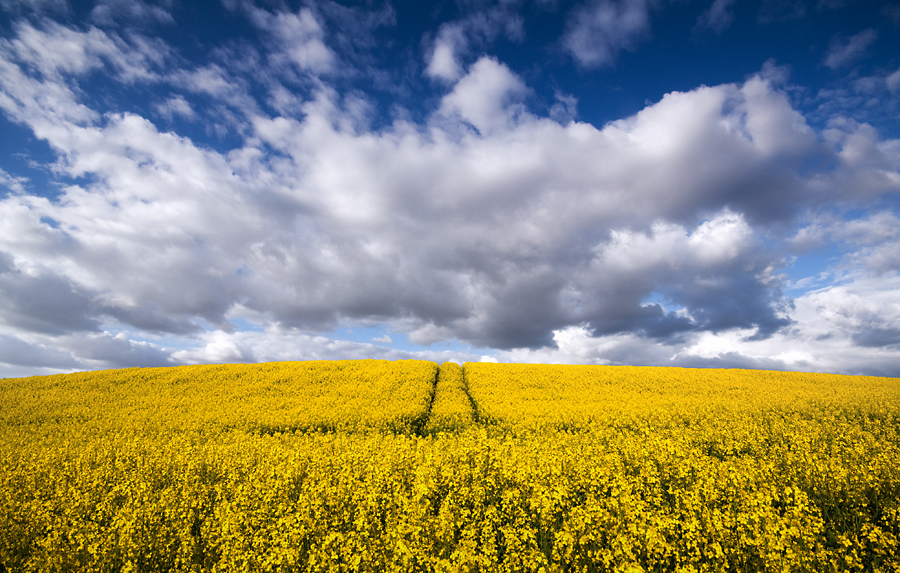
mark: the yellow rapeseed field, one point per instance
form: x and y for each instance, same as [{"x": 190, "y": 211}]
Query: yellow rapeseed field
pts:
[
  {"x": 452, "y": 407},
  {"x": 407, "y": 466}
]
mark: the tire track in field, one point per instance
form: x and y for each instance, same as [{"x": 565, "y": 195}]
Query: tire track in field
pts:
[
  {"x": 451, "y": 409},
  {"x": 476, "y": 413}
]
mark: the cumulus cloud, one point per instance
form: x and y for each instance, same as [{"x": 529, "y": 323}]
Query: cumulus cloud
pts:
[
  {"x": 600, "y": 29},
  {"x": 485, "y": 96},
  {"x": 836, "y": 329},
  {"x": 443, "y": 62},
  {"x": 865, "y": 311},
  {"x": 457, "y": 235},
  {"x": 276, "y": 343},
  {"x": 537, "y": 238},
  {"x": 219, "y": 347},
  {"x": 454, "y": 40},
  {"x": 870, "y": 164},
  {"x": 691, "y": 270}
]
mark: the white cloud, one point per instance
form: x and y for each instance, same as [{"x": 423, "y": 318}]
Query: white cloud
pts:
[
  {"x": 893, "y": 82},
  {"x": 486, "y": 96},
  {"x": 870, "y": 166},
  {"x": 176, "y": 106},
  {"x": 848, "y": 328},
  {"x": 714, "y": 242},
  {"x": 60, "y": 50},
  {"x": 300, "y": 38},
  {"x": 47, "y": 101},
  {"x": 871, "y": 244},
  {"x": 229, "y": 106},
  {"x": 599, "y": 30},
  {"x": 844, "y": 51},
  {"x": 442, "y": 63},
  {"x": 477, "y": 28},
  {"x": 56, "y": 50},
  {"x": 13, "y": 183},
  {"x": 532, "y": 239},
  {"x": 455, "y": 233},
  {"x": 565, "y": 109},
  {"x": 864, "y": 311},
  {"x": 220, "y": 347},
  {"x": 277, "y": 344}
]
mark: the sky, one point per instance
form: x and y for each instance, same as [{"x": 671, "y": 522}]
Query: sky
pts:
[{"x": 695, "y": 183}]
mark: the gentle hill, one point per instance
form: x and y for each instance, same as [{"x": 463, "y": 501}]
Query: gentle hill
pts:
[
  {"x": 275, "y": 396},
  {"x": 378, "y": 466}
]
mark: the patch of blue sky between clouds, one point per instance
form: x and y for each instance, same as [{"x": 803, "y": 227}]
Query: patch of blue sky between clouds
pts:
[
  {"x": 656, "y": 298},
  {"x": 245, "y": 325},
  {"x": 811, "y": 270},
  {"x": 25, "y": 157}
]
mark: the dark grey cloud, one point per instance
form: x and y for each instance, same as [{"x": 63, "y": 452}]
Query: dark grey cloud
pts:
[
  {"x": 116, "y": 351},
  {"x": 17, "y": 352},
  {"x": 151, "y": 319},
  {"x": 43, "y": 302},
  {"x": 878, "y": 337}
]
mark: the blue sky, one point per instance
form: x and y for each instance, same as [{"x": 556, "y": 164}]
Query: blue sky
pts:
[{"x": 707, "y": 183}]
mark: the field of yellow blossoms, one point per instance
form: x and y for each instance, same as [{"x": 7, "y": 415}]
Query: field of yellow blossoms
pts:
[{"x": 410, "y": 466}]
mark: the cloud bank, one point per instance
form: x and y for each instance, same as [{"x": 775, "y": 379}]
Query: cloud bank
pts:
[{"x": 661, "y": 238}]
